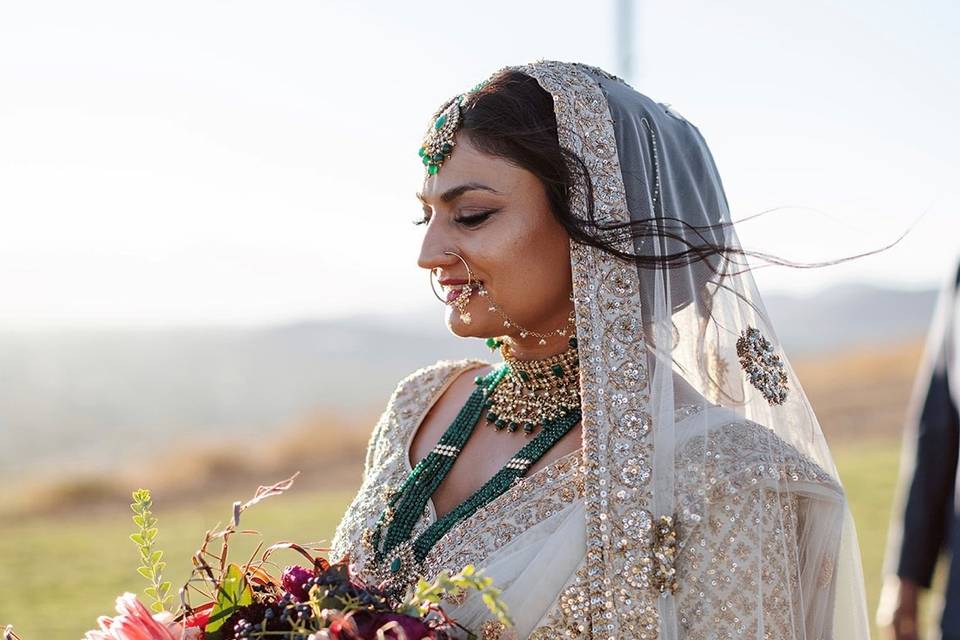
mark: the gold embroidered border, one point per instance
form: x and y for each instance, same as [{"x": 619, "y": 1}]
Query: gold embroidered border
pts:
[{"x": 614, "y": 386}]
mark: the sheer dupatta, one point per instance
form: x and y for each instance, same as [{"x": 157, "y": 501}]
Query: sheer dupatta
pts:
[
  {"x": 679, "y": 328},
  {"x": 705, "y": 502}
]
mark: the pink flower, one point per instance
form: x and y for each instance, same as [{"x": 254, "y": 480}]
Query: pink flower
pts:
[{"x": 134, "y": 622}]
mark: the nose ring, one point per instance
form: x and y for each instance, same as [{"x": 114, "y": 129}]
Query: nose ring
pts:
[{"x": 469, "y": 276}]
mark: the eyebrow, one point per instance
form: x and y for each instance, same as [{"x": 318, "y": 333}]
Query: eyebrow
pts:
[{"x": 455, "y": 192}]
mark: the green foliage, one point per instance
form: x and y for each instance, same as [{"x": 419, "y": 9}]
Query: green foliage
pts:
[
  {"x": 46, "y": 602},
  {"x": 151, "y": 563},
  {"x": 427, "y": 595},
  {"x": 234, "y": 592}
]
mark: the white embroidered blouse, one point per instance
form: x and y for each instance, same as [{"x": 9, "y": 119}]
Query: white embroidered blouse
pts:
[{"x": 532, "y": 539}]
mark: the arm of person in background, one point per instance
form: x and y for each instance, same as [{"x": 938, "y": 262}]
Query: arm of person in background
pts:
[{"x": 928, "y": 467}]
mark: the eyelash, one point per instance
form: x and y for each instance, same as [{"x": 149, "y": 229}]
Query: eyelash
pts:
[{"x": 468, "y": 221}]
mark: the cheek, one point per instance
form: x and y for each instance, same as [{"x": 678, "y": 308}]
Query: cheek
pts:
[
  {"x": 548, "y": 260},
  {"x": 530, "y": 263}
]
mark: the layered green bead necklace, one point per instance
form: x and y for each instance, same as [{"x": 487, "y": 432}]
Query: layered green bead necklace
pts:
[{"x": 546, "y": 390}]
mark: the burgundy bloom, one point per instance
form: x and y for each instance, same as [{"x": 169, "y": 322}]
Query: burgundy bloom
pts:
[
  {"x": 364, "y": 625},
  {"x": 294, "y": 579}
]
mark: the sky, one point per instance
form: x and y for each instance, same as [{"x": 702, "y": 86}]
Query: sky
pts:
[{"x": 238, "y": 163}]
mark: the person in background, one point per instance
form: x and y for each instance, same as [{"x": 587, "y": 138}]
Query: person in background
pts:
[{"x": 926, "y": 518}]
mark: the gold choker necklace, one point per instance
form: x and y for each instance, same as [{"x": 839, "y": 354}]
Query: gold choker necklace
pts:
[{"x": 532, "y": 393}]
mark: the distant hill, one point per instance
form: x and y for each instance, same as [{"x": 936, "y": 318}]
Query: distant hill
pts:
[
  {"x": 848, "y": 316},
  {"x": 79, "y": 399}
]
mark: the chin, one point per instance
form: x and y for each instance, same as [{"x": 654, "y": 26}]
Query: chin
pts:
[{"x": 463, "y": 330}]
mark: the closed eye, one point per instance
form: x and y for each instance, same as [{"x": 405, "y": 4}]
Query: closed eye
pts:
[
  {"x": 474, "y": 220},
  {"x": 468, "y": 221}
]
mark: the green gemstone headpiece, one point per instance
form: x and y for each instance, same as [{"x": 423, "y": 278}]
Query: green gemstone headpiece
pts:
[{"x": 439, "y": 141}]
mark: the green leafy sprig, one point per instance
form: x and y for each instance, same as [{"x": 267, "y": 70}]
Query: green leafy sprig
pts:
[
  {"x": 426, "y": 596},
  {"x": 152, "y": 564}
]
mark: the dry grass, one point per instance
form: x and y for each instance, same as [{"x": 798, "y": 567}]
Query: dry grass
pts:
[
  {"x": 857, "y": 395},
  {"x": 861, "y": 394},
  {"x": 326, "y": 448}
]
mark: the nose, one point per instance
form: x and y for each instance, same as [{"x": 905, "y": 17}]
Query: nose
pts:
[{"x": 432, "y": 250}]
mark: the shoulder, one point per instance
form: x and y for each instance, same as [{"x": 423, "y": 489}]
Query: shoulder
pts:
[
  {"x": 424, "y": 382},
  {"x": 736, "y": 451},
  {"x": 411, "y": 397},
  {"x": 421, "y": 388}
]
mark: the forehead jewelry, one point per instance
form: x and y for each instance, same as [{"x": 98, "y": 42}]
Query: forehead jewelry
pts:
[{"x": 438, "y": 142}]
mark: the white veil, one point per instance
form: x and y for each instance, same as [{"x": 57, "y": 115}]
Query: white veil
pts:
[{"x": 757, "y": 526}]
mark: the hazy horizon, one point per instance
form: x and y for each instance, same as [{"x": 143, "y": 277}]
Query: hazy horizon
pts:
[
  {"x": 417, "y": 312},
  {"x": 209, "y": 164}
]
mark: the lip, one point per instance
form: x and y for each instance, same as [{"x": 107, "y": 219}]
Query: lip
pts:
[{"x": 454, "y": 286}]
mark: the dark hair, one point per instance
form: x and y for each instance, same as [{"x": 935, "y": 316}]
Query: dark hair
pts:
[{"x": 512, "y": 117}]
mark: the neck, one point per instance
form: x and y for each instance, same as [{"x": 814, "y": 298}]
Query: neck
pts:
[{"x": 529, "y": 348}]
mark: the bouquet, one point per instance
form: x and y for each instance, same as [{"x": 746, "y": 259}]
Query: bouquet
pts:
[{"x": 316, "y": 600}]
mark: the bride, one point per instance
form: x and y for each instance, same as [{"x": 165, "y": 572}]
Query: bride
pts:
[{"x": 641, "y": 461}]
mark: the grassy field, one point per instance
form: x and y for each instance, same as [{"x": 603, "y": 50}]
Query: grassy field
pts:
[
  {"x": 65, "y": 564},
  {"x": 869, "y": 475},
  {"x": 59, "y": 573}
]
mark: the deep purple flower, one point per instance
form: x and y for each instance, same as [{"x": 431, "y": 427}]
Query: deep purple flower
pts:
[
  {"x": 254, "y": 614},
  {"x": 294, "y": 579},
  {"x": 368, "y": 624}
]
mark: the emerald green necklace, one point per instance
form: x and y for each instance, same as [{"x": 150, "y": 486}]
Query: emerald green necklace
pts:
[{"x": 533, "y": 386}]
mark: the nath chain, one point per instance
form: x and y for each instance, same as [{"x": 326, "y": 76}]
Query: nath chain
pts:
[
  {"x": 524, "y": 332},
  {"x": 461, "y": 301}
]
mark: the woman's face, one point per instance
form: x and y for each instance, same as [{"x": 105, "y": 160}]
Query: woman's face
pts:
[{"x": 496, "y": 215}]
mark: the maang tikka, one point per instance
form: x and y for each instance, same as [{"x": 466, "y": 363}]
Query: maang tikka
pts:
[{"x": 438, "y": 142}]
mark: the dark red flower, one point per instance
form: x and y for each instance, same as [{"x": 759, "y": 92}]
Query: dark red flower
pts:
[
  {"x": 294, "y": 579},
  {"x": 364, "y": 626},
  {"x": 254, "y": 614}
]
